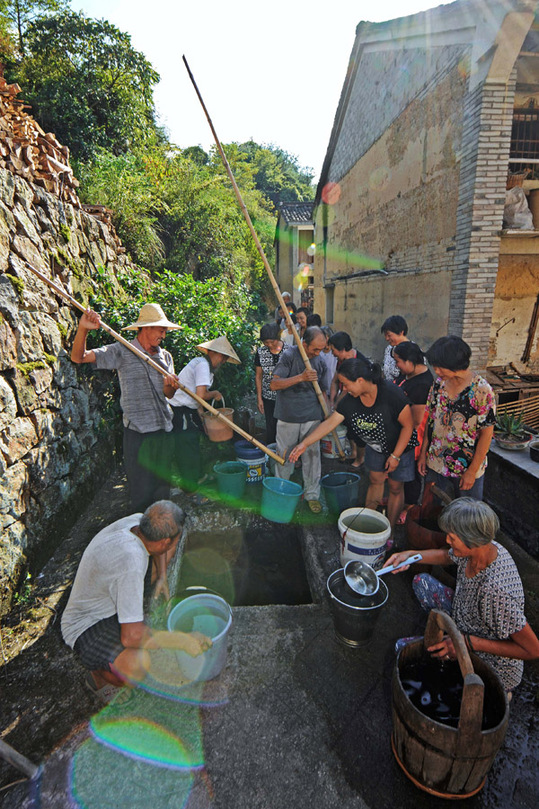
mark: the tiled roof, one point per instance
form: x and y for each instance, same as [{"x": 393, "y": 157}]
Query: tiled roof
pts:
[{"x": 297, "y": 213}]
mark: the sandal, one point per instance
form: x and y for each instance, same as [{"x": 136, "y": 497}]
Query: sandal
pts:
[
  {"x": 315, "y": 506},
  {"x": 106, "y": 693}
]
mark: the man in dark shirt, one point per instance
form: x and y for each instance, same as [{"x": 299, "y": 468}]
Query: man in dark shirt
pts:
[{"x": 298, "y": 410}]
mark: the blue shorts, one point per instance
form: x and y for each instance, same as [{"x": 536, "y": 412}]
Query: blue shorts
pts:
[{"x": 376, "y": 461}]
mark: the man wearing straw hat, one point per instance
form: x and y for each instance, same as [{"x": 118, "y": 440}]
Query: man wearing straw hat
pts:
[
  {"x": 197, "y": 376},
  {"x": 147, "y": 415}
]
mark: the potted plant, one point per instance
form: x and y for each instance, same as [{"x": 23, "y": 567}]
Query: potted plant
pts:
[{"x": 510, "y": 432}]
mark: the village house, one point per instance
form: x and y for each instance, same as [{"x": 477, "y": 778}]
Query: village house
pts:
[
  {"x": 294, "y": 254},
  {"x": 437, "y": 109}
]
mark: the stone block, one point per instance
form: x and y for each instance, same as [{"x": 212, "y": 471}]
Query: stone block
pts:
[
  {"x": 18, "y": 439},
  {"x": 7, "y": 187},
  {"x": 8, "y": 345},
  {"x": 14, "y": 492},
  {"x": 26, "y": 226}
]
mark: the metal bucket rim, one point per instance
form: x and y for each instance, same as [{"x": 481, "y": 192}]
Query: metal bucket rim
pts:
[{"x": 382, "y": 586}]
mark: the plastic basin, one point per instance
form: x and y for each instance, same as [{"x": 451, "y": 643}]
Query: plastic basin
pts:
[{"x": 212, "y": 616}]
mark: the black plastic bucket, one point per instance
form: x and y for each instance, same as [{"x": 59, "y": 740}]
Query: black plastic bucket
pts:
[{"x": 354, "y": 616}]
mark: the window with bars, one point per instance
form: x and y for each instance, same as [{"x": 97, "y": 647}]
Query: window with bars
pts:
[{"x": 524, "y": 151}]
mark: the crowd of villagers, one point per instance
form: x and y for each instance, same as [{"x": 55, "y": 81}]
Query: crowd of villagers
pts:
[{"x": 419, "y": 417}]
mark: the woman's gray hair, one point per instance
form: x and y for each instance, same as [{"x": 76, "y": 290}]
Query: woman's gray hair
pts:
[
  {"x": 162, "y": 520},
  {"x": 471, "y": 520}
]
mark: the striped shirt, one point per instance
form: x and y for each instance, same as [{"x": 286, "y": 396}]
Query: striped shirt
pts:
[{"x": 144, "y": 405}]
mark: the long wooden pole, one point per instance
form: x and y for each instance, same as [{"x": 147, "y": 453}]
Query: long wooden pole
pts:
[
  {"x": 145, "y": 358},
  {"x": 265, "y": 261}
]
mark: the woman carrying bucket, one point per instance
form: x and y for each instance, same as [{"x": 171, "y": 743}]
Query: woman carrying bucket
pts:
[
  {"x": 377, "y": 413},
  {"x": 488, "y": 602},
  {"x": 197, "y": 376}
]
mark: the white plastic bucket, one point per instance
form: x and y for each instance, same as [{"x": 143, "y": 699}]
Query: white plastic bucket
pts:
[
  {"x": 328, "y": 445},
  {"x": 255, "y": 468},
  {"x": 212, "y": 616},
  {"x": 366, "y": 540}
]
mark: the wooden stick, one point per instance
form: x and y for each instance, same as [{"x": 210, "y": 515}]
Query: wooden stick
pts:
[
  {"x": 148, "y": 360},
  {"x": 265, "y": 261},
  {"x": 17, "y": 760}
]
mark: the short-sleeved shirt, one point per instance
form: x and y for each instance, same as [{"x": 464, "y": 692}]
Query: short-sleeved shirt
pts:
[
  {"x": 390, "y": 369},
  {"x": 456, "y": 425},
  {"x": 417, "y": 387},
  {"x": 299, "y": 403},
  {"x": 109, "y": 580},
  {"x": 378, "y": 426},
  {"x": 196, "y": 373},
  {"x": 267, "y": 361},
  {"x": 144, "y": 405},
  {"x": 491, "y": 605}
]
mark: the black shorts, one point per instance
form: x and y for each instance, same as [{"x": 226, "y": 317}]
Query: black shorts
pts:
[{"x": 100, "y": 644}]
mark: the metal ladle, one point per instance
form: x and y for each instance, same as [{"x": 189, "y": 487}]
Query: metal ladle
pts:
[{"x": 364, "y": 580}]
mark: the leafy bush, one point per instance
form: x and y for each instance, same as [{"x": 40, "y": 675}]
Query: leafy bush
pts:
[{"x": 204, "y": 309}]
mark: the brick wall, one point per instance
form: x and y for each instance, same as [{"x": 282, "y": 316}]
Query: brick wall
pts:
[{"x": 485, "y": 152}]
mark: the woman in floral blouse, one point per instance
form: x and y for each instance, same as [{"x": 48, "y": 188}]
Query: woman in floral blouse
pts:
[
  {"x": 266, "y": 358},
  {"x": 461, "y": 415}
]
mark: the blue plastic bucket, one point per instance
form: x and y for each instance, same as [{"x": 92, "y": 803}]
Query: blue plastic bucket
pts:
[
  {"x": 212, "y": 616},
  {"x": 231, "y": 478},
  {"x": 253, "y": 458},
  {"x": 341, "y": 490},
  {"x": 279, "y": 499}
]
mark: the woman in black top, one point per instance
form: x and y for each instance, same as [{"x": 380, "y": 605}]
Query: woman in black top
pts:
[
  {"x": 378, "y": 413},
  {"x": 266, "y": 358},
  {"x": 416, "y": 381}
]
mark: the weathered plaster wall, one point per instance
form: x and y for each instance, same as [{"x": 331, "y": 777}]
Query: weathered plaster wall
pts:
[
  {"x": 55, "y": 440},
  {"x": 517, "y": 288},
  {"x": 361, "y": 306},
  {"x": 398, "y": 206}
]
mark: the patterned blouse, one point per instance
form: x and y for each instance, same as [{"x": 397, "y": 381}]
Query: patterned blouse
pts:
[
  {"x": 267, "y": 361},
  {"x": 455, "y": 425},
  {"x": 491, "y": 605}
]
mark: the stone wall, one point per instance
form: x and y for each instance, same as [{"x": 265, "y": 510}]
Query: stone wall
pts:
[{"x": 56, "y": 439}]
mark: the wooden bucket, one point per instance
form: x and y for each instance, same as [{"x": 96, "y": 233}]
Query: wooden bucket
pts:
[
  {"x": 214, "y": 427},
  {"x": 441, "y": 760}
]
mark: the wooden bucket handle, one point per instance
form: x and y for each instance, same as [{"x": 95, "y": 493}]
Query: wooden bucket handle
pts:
[{"x": 471, "y": 709}]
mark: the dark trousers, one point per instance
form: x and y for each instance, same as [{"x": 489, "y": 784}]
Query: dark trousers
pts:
[
  {"x": 147, "y": 462},
  {"x": 186, "y": 463},
  {"x": 271, "y": 421}
]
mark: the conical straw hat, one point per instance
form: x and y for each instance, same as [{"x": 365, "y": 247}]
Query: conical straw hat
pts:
[
  {"x": 221, "y": 346},
  {"x": 151, "y": 314}
]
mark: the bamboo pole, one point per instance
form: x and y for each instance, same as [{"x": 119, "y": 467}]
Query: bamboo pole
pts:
[
  {"x": 17, "y": 760},
  {"x": 262, "y": 254},
  {"x": 148, "y": 360}
]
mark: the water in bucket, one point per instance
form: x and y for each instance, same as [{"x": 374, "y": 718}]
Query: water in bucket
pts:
[{"x": 212, "y": 616}]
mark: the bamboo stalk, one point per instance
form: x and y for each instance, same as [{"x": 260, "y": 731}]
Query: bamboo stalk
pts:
[
  {"x": 17, "y": 760},
  {"x": 262, "y": 254},
  {"x": 148, "y": 360}
]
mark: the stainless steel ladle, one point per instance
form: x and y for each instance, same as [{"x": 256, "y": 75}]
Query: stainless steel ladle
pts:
[{"x": 364, "y": 580}]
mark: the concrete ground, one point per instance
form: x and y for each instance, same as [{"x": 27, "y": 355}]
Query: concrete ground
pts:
[{"x": 295, "y": 720}]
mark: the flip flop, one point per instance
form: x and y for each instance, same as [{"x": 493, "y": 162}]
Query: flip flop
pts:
[
  {"x": 315, "y": 506},
  {"x": 106, "y": 693}
]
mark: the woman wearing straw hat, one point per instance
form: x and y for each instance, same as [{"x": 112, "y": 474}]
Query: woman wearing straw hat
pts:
[
  {"x": 147, "y": 416},
  {"x": 197, "y": 376}
]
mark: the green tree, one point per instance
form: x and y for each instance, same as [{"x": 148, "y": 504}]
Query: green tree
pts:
[
  {"x": 88, "y": 84},
  {"x": 20, "y": 13},
  {"x": 278, "y": 174}
]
